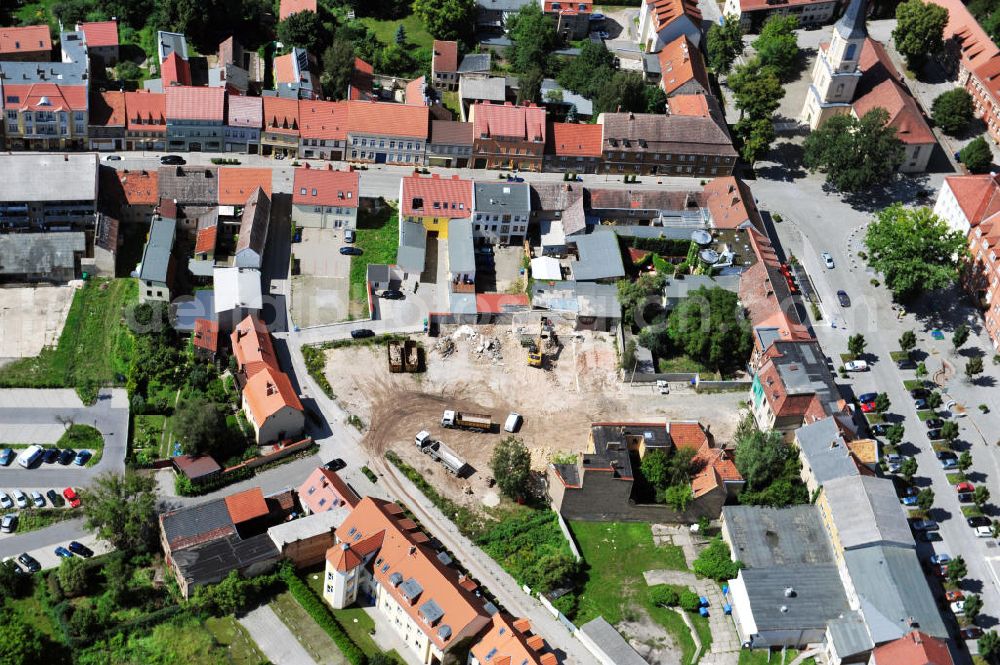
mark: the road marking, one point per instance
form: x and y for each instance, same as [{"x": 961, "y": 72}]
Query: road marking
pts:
[{"x": 993, "y": 568}]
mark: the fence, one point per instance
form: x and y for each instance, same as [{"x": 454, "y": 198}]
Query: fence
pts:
[
  {"x": 261, "y": 460},
  {"x": 570, "y": 626},
  {"x": 569, "y": 537}
]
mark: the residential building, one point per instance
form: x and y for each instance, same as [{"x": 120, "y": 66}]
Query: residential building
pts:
[
  {"x": 324, "y": 490},
  {"x": 362, "y": 82},
  {"x": 30, "y": 43},
  {"x": 138, "y": 196},
  {"x": 195, "y": 118},
  {"x": 237, "y": 295},
  {"x": 600, "y": 485},
  {"x": 146, "y": 121},
  {"x": 500, "y": 212},
  {"x": 681, "y": 69},
  {"x": 269, "y": 400},
  {"x": 102, "y": 41},
  {"x": 477, "y": 89},
  {"x": 475, "y": 64},
  {"x": 663, "y": 21},
  {"x": 382, "y": 555},
  {"x": 254, "y": 224},
  {"x": 45, "y": 116},
  {"x": 64, "y": 199},
  {"x": 203, "y": 543},
  {"x": 237, "y": 183},
  {"x": 572, "y": 148},
  {"x": 106, "y": 121},
  {"x": 281, "y": 127},
  {"x": 195, "y": 187},
  {"x": 288, "y": 7},
  {"x": 41, "y": 257},
  {"x": 450, "y": 145},
  {"x": 915, "y": 648},
  {"x": 383, "y": 133},
  {"x": 863, "y": 511},
  {"x": 493, "y": 14},
  {"x": 830, "y": 448},
  {"x": 665, "y": 144},
  {"x": 591, "y": 305},
  {"x": 507, "y": 136},
  {"x": 411, "y": 253},
  {"x": 244, "y": 119},
  {"x": 172, "y": 54},
  {"x": 322, "y": 130},
  {"x": 597, "y": 257},
  {"x": 510, "y": 640},
  {"x": 156, "y": 271},
  {"x": 325, "y": 198},
  {"x": 205, "y": 339},
  {"x": 444, "y": 65},
  {"x": 293, "y": 77},
  {"x": 754, "y": 13},
  {"x": 461, "y": 265},
  {"x": 572, "y": 19},
  {"x": 434, "y": 201}
]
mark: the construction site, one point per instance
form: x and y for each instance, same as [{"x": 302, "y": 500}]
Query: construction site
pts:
[{"x": 558, "y": 379}]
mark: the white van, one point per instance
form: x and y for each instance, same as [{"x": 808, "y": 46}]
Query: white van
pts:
[
  {"x": 513, "y": 423},
  {"x": 29, "y": 456}
]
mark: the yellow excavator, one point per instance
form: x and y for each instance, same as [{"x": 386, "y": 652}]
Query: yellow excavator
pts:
[{"x": 535, "y": 353}]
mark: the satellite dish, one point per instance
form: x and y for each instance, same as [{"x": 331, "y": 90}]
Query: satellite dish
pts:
[
  {"x": 709, "y": 256},
  {"x": 701, "y": 237}
]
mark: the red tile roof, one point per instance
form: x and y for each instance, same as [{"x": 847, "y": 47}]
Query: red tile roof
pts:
[
  {"x": 435, "y": 196},
  {"x": 731, "y": 203},
  {"x": 445, "y": 56},
  {"x": 281, "y": 115},
  {"x": 189, "y": 103},
  {"x": 974, "y": 44},
  {"x": 573, "y": 140},
  {"x": 206, "y": 334},
  {"x": 414, "y": 91},
  {"x": 325, "y": 187},
  {"x": 694, "y": 105},
  {"x": 206, "y": 239},
  {"x": 681, "y": 62},
  {"x": 526, "y": 123},
  {"x": 973, "y": 194},
  {"x": 267, "y": 392},
  {"x": 196, "y": 467},
  {"x": 252, "y": 346},
  {"x": 323, "y": 120},
  {"x": 286, "y": 69},
  {"x": 146, "y": 111},
  {"x": 904, "y": 114},
  {"x": 508, "y": 641},
  {"x": 362, "y": 80},
  {"x": 45, "y": 97},
  {"x": 666, "y": 11},
  {"x": 102, "y": 33},
  {"x": 107, "y": 109},
  {"x": 140, "y": 187},
  {"x": 246, "y": 505},
  {"x": 27, "y": 39},
  {"x": 175, "y": 70},
  {"x": 324, "y": 490},
  {"x": 289, "y": 7},
  {"x": 497, "y": 303},
  {"x": 236, "y": 184},
  {"x": 244, "y": 111},
  {"x": 687, "y": 434},
  {"x": 917, "y": 648},
  {"x": 384, "y": 119}
]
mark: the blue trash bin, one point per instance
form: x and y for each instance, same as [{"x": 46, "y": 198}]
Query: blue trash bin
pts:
[
  {"x": 727, "y": 608},
  {"x": 725, "y": 589},
  {"x": 703, "y": 611},
  {"x": 703, "y": 600}
]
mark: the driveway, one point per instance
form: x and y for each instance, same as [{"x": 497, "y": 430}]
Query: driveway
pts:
[
  {"x": 320, "y": 292},
  {"x": 274, "y": 638}
]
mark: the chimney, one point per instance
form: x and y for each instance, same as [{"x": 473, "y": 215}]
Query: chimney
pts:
[
  {"x": 329, "y": 167},
  {"x": 413, "y": 550},
  {"x": 789, "y": 592}
]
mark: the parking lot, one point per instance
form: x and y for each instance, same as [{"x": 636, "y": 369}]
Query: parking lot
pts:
[{"x": 321, "y": 290}]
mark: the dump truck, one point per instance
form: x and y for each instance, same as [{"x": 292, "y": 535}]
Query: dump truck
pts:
[
  {"x": 411, "y": 356},
  {"x": 395, "y": 351},
  {"x": 439, "y": 452},
  {"x": 478, "y": 422}
]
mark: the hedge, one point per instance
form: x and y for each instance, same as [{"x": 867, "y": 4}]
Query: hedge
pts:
[{"x": 320, "y": 613}]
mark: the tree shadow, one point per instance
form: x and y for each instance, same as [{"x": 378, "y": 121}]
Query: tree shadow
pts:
[
  {"x": 784, "y": 163},
  {"x": 984, "y": 382}
]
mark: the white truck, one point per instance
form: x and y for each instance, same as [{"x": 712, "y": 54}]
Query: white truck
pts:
[
  {"x": 440, "y": 452},
  {"x": 478, "y": 422}
]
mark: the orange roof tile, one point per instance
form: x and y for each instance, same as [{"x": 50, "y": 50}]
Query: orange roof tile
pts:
[
  {"x": 325, "y": 187},
  {"x": 917, "y": 648},
  {"x": 435, "y": 196},
  {"x": 687, "y": 434},
  {"x": 140, "y": 187},
  {"x": 107, "y": 109},
  {"x": 206, "y": 239},
  {"x": 322, "y": 120},
  {"x": 694, "y": 105},
  {"x": 445, "y": 56},
  {"x": 524, "y": 123},
  {"x": 267, "y": 392},
  {"x": 175, "y": 70},
  {"x": 206, "y": 334},
  {"x": 27, "y": 39},
  {"x": 975, "y": 45},
  {"x": 574, "y": 140},
  {"x": 971, "y": 192},
  {"x": 324, "y": 489},
  {"x": 194, "y": 103},
  {"x": 289, "y": 7},
  {"x": 731, "y": 203},
  {"x": 666, "y": 11},
  {"x": 146, "y": 111},
  {"x": 285, "y": 70},
  {"x": 246, "y": 505},
  {"x": 384, "y": 119},
  {"x": 45, "y": 97},
  {"x": 101, "y": 33},
  {"x": 508, "y": 640},
  {"x": 904, "y": 114},
  {"x": 236, "y": 184},
  {"x": 342, "y": 558},
  {"x": 252, "y": 346},
  {"x": 681, "y": 62},
  {"x": 413, "y": 94},
  {"x": 281, "y": 115}
]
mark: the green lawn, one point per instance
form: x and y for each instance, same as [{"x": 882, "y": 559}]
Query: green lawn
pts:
[
  {"x": 874, "y": 418},
  {"x": 764, "y": 657},
  {"x": 926, "y": 414},
  {"x": 679, "y": 364},
  {"x": 913, "y": 384},
  {"x": 450, "y": 101},
  {"x": 385, "y": 31},
  {"x": 378, "y": 237},
  {"x": 231, "y": 635},
  {"x": 971, "y": 511},
  {"x": 83, "y": 437},
  {"x": 616, "y": 554},
  {"x": 95, "y": 346}
]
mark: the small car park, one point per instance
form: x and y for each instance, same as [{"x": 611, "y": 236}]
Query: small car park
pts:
[
  {"x": 72, "y": 497},
  {"x": 8, "y": 524},
  {"x": 82, "y": 457},
  {"x": 80, "y": 549},
  {"x": 29, "y": 562}
]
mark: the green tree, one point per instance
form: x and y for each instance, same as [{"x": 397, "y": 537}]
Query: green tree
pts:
[
  {"x": 760, "y": 457},
  {"x": 725, "y": 43},
  {"x": 949, "y": 432},
  {"x": 921, "y": 370},
  {"x": 973, "y": 606},
  {"x": 908, "y": 468},
  {"x": 934, "y": 400},
  {"x": 914, "y": 250},
  {"x": 678, "y": 496},
  {"x": 126, "y": 70},
  {"x": 989, "y": 645},
  {"x": 303, "y": 29},
  {"x": 533, "y": 37},
  {"x": 511, "y": 466},
  {"x": 980, "y": 496},
  {"x": 754, "y": 136},
  {"x": 227, "y": 597},
  {"x": 957, "y": 569},
  {"x": 73, "y": 576},
  {"x": 854, "y": 154},
  {"x": 633, "y": 296},
  {"x": 964, "y": 461},
  {"x": 656, "y": 99},
  {"x": 121, "y": 508},
  {"x": 589, "y": 71},
  {"x": 716, "y": 562},
  {"x": 976, "y": 155},
  {"x": 400, "y": 35},
  {"x": 952, "y": 110},
  {"x": 382, "y": 659},
  {"x": 882, "y": 402},
  {"x": 895, "y": 433},
  {"x": 396, "y": 60},
  {"x": 925, "y": 499},
  {"x": 919, "y": 31},
  {"x": 200, "y": 427},
  {"x": 530, "y": 85},
  {"x": 777, "y": 46},
  {"x": 338, "y": 67},
  {"x": 447, "y": 19},
  {"x": 757, "y": 90},
  {"x": 625, "y": 92},
  {"x": 856, "y": 344},
  {"x": 974, "y": 367},
  {"x": 908, "y": 341},
  {"x": 12, "y": 583},
  {"x": 20, "y": 643},
  {"x": 960, "y": 336},
  {"x": 662, "y": 595},
  {"x": 709, "y": 327}
]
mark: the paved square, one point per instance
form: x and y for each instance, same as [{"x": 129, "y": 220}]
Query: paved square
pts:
[
  {"x": 320, "y": 292},
  {"x": 32, "y": 318}
]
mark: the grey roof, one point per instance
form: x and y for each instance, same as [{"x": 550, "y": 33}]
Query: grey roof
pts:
[
  {"x": 430, "y": 611},
  {"x": 254, "y": 223},
  {"x": 412, "y": 252},
  {"x": 504, "y": 5},
  {"x": 803, "y": 371},
  {"x": 512, "y": 198},
  {"x": 40, "y": 253},
  {"x": 237, "y": 288},
  {"x": 462, "y": 303},
  {"x": 475, "y": 62},
  {"x": 583, "y": 105},
  {"x": 168, "y": 42},
  {"x": 850, "y": 636},
  {"x": 600, "y": 257},
  {"x": 72, "y": 45},
  {"x": 156, "y": 255},
  {"x": 460, "y": 253},
  {"x": 26, "y": 73},
  {"x": 39, "y": 177},
  {"x": 651, "y": 63},
  {"x": 825, "y": 450},
  {"x": 612, "y": 643},
  {"x": 893, "y": 590},
  {"x": 190, "y": 185},
  {"x": 852, "y": 24},
  {"x": 199, "y": 305},
  {"x": 214, "y": 560},
  {"x": 817, "y": 596},
  {"x": 764, "y": 537},
  {"x": 680, "y": 288},
  {"x": 309, "y": 526},
  {"x": 493, "y": 88},
  {"x": 184, "y": 527},
  {"x": 580, "y": 298},
  {"x": 866, "y": 511}
]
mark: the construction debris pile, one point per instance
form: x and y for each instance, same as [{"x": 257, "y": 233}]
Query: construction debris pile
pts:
[{"x": 482, "y": 345}]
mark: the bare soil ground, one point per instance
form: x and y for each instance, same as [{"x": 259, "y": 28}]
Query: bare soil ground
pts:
[
  {"x": 32, "y": 317},
  {"x": 578, "y": 386}
]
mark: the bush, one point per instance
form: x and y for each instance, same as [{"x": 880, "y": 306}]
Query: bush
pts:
[
  {"x": 976, "y": 155},
  {"x": 321, "y": 614},
  {"x": 715, "y": 562},
  {"x": 663, "y": 596},
  {"x": 689, "y": 600}
]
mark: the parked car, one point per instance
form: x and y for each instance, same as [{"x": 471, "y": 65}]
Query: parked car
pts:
[
  {"x": 867, "y": 407},
  {"x": 602, "y": 34},
  {"x": 867, "y": 397},
  {"x": 940, "y": 572},
  {"x": 66, "y": 456},
  {"x": 934, "y": 423},
  {"x": 919, "y": 392},
  {"x": 949, "y": 463},
  {"x": 6, "y": 457},
  {"x": 934, "y": 434},
  {"x": 908, "y": 500},
  {"x": 72, "y": 497},
  {"x": 50, "y": 455},
  {"x": 971, "y": 632},
  {"x": 351, "y": 251},
  {"x": 173, "y": 160},
  {"x": 349, "y": 235},
  {"x": 597, "y": 17},
  {"x": 984, "y": 532},
  {"x": 894, "y": 461},
  {"x": 21, "y": 499},
  {"x": 81, "y": 549},
  {"x": 361, "y": 333},
  {"x": 925, "y": 525},
  {"x": 965, "y": 497},
  {"x": 958, "y": 607},
  {"x": 978, "y": 521},
  {"x": 336, "y": 464},
  {"x": 953, "y": 595},
  {"x": 965, "y": 486},
  {"x": 29, "y": 562},
  {"x": 879, "y": 429},
  {"x": 517, "y": 178},
  {"x": 8, "y": 524},
  {"x": 843, "y": 298},
  {"x": 937, "y": 559},
  {"x": 54, "y": 498},
  {"x": 919, "y": 404},
  {"x": 906, "y": 363},
  {"x": 82, "y": 457},
  {"x": 63, "y": 553},
  {"x": 827, "y": 259},
  {"x": 113, "y": 158},
  {"x": 38, "y": 499},
  {"x": 929, "y": 537},
  {"x": 5, "y": 501},
  {"x": 392, "y": 294},
  {"x": 856, "y": 366}
]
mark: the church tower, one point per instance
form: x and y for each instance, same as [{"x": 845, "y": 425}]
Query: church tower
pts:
[{"x": 836, "y": 73}]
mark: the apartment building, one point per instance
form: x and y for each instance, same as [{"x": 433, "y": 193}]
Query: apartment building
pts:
[
  {"x": 195, "y": 118},
  {"x": 444, "y": 65},
  {"x": 145, "y": 121},
  {"x": 28, "y": 201},
  {"x": 501, "y": 212},
  {"x": 434, "y": 201},
  {"x": 507, "y": 136},
  {"x": 322, "y": 129},
  {"x": 281, "y": 127},
  {"x": 325, "y": 198},
  {"x": 244, "y": 118},
  {"x": 382, "y": 133},
  {"x": 30, "y": 43},
  {"x": 663, "y": 21},
  {"x": 754, "y": 13},
  {"x": 45, "y": 116},
  {"x": 651, "y": 144},
  {"x": 106, "y": 121}
]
